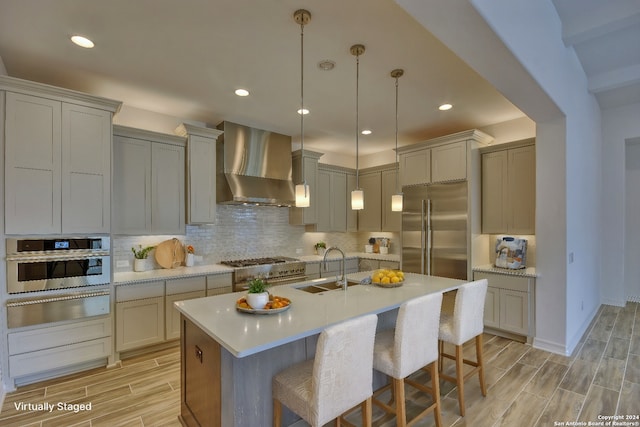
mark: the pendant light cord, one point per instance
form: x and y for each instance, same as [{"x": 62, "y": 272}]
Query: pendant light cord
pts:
[
  {"x": 357, "y": 120},
  {"x": 304, "y": 178},
  {"x": 397, "y": 162}
]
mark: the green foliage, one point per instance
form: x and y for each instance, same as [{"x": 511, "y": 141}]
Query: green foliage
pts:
[
  {"x": 257, "y": 286},
  {"x": 320, "y": 245},
  {"x": 142, "y": 253}
]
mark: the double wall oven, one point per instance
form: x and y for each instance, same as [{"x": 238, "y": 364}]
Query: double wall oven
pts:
[{"x": 55, "y": 279}]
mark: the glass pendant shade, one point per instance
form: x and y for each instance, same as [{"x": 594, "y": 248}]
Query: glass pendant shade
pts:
[
  {"x": 303, "y": 196},
  {"x": 357, "y": 200},
  {"x": 396, "y": 202}
]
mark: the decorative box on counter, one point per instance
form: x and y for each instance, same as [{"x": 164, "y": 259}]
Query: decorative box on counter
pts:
[{"x": 511, "y": 253}]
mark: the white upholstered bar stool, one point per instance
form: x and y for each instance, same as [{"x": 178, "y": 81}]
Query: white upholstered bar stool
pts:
[
  {"x": 465, "y": 323},
  {"x": 339, "y": 378},
  {"x": 410, "y": 347}
]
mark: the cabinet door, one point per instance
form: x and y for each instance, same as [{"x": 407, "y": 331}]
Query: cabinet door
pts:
[
  {"x": 394, "y": 265},
  {"x": 172, "y": 315},
  {"x": 131, "y": 186},
  {"x": 522, "y": 190},
  {"x": 167, "y": 189},
  {"x": 391, "y": 221},
  {"x": 514, "y": 311},
  {"x": 86, "y": 169},
  {"x": 492, "y": 308},
  {"x": 323, "y": 200},
  {"x": 33, "y": 165},
  {"x": 366, "y": 264},
  {"x": 449, "y": 162},
  {"x": 139, "y": 323},
  {"x": 494, "y": 192},
  {"x": 370, "y": 218},
  {"x": 303, "y": 216},
  {"x": 338, "y": 201},
  {"x": 202, "y": 180},
  {"x": 415, "y": 167}
]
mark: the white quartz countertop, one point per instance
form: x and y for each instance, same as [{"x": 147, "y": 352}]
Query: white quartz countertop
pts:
[
  {"x": 244, "y": 334},
  {"x": 489, "y": 268},
  {"x": 129, "y": 277}
]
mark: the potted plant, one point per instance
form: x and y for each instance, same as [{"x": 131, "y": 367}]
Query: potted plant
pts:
[
  {"x": 257, "y": 295},
  {"x": 190, "y": 257},
  {"x": 141, "y": 254},
  {"x": 320, "y": 247}
]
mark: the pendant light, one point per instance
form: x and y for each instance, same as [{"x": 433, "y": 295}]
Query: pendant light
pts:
[
  {"x": 396, "y": 199},
  {"x": 357, "y": 195},
  {"x": 303, "y": 193}
]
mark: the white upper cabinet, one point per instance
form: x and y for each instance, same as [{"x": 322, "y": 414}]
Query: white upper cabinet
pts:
[
  {"x": 449, "y": 162},
  {"x": 149, "y": 182},
  {"x": 509, "y": 188},
  {"x": 57, "y": 159},
  {"x": 415, "y": 167},
  {"x": 201, "y": 173},
  {"x": 331, "y": 199},
  {"x": 443, "y": 159},
  {"x": 86, "y": 169}
]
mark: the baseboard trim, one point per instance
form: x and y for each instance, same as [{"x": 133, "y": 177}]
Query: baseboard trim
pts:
[
  {"x": 633, "y": 298},
  {"x": 551, "y": 346},
  {"x": 614, "y": 302}
]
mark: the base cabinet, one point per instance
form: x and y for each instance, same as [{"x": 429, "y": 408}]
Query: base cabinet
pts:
[
  {"x": 139, "y": 323},
  {"x": 509, "y": 305},
  {"x": 39, "y": 350},
  {"x": 367, "y": 264}
]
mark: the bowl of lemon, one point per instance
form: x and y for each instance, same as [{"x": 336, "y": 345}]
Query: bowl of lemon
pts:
[{"x": 387, "y": 278}]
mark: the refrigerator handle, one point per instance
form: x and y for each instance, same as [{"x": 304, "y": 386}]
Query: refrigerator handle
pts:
[
  {"x": 428, "y": 245},
  {"x": 423, "y": 240}
]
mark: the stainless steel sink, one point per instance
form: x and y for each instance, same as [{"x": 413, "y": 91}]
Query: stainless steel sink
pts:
[{"x": 323, "y": 287}]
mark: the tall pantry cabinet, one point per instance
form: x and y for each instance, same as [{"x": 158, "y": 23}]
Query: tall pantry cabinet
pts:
[{"x": 57, "y": 159}]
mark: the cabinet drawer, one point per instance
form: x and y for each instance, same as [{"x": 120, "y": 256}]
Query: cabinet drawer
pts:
[
  {"x": 58, "y": 357},
  {"x": 514, "y": 283},
  {"x": 220, "y": 291},
  {"x": 189, "y": 284},
  {"x": 219, "y": 280},
  {"x": 394, "y": 265},
  {"x": 139, "y": 291},
  {"x": 39, "y": 339}
]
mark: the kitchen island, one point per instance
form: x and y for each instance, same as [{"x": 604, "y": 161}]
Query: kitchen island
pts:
[{"x": 228, "y": 358}]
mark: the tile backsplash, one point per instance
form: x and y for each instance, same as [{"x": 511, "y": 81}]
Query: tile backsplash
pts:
[{"x": 247, "y": 232}]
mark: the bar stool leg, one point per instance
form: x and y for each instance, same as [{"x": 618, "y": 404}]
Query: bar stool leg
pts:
[
  {"x": 460, "y": 378},
  {"x": 435, "y": 387},
  {"x": 367, "y": 413},
  {"x": 480, "y": 364},
  {"x": 401, "y": 412},
  {"x": 277, "y": 413}
]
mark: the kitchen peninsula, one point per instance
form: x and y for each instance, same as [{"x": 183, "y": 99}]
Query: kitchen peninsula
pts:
[{"x": 228, "y": 358}]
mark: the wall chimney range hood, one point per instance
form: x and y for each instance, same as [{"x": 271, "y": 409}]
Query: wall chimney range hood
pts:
[{"x": 253, "y": 167}]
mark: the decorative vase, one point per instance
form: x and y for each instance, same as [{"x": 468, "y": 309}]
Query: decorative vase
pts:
[
  {"x": 258, "y": 301},
  {"x": 189, "y": 260},
  {"x": 139, "y": 264}
]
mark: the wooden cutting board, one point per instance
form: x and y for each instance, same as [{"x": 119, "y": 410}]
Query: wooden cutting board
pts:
[{"x": 170, "y": 253}]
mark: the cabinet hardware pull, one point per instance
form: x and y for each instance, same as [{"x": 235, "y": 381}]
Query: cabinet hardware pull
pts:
[{"x": 199, "y": 354}]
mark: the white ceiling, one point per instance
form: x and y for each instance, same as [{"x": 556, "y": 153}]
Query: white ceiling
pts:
[
  {"x": 605, "y": 35},
  {"x": 185, "y": 59}
]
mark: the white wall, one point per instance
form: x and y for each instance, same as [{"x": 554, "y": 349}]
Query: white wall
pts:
[
  {"x": 618, "y": 126},
  {"x": 512, "y": 43},
  {"x": 632, "y": 221}
]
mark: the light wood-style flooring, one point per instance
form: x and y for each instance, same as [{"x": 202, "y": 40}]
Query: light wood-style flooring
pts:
[{"x": 526, "y": 386}]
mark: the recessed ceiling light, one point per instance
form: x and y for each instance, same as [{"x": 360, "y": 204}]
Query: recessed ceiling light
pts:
[
  {"x": 242, "y": 92},
  {"x": 82, "y": 42},
  {"x": 366, "y": 132},
  {"x": 445, "y": 107},
  {"x": 303, "y": 111}
]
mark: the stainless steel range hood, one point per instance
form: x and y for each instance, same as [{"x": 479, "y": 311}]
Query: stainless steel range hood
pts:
[{"x": 254, "y": 166}]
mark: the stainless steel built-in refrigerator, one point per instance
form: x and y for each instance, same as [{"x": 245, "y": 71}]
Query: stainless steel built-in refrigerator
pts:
[{"x": 434, "y": 230}]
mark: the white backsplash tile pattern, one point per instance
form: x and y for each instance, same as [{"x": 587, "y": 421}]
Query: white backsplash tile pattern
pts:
[{"x": 248, "y": 232}]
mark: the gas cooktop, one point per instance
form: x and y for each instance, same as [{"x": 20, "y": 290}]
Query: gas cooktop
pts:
[{"x": 257, "y": 261}]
